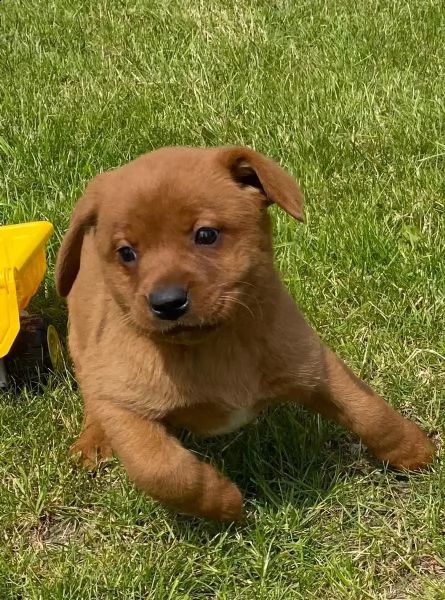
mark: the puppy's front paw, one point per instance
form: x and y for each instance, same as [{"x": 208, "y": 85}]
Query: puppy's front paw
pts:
[
  {"x": 415, "y": 451},
  {"x": 221, "y": 500},
  {"x": 91, "y": 447},
  {"x": 231, "y": 503}
]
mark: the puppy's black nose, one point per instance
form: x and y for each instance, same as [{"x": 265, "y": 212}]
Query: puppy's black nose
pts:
[{"x": 169, "y": 303}]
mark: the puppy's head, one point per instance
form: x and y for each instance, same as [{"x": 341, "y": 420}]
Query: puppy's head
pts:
[{"x": 183, "y": 235}]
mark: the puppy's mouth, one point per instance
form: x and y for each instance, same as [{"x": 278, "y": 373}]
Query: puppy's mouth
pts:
[
  {"x": 192, "y": 327},
  {"x": 180, "y": 329}
]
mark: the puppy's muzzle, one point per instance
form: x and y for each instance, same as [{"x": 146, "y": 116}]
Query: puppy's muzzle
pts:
[{"x": 169, "y": 303}]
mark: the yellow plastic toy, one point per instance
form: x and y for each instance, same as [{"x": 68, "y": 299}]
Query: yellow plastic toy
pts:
[{"x": 26, "y": 341}]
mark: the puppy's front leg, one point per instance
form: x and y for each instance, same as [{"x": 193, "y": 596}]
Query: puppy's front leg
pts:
[
  {"x": 340, "y": 395},
  {"x": 157, "y": 463}
]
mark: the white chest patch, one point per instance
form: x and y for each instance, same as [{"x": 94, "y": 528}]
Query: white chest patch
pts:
[{"x": 237, "y": 419}]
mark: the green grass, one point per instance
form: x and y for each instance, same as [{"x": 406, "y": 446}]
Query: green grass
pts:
[{"x": 349, "y": 95}]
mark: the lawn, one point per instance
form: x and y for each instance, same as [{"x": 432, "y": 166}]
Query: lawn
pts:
[{"x": 350, "y": 97}]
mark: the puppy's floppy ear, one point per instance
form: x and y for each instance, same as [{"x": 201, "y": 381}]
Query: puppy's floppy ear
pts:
[
  {"x": 83, "y": 217},
  {"x": 250, "y": 168}
]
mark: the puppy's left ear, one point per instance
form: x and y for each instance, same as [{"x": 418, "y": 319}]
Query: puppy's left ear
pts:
[
  {"x": 83, "y": 218},
  {"x": 250, "y": 168}
]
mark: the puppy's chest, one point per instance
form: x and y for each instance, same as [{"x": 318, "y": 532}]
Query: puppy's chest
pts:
[
  {"x": 208, "y": 392},
  {"x": 210, "y": 419},
  {"x": 205, "y": 396},
  {"x": 227, "y": 387}
]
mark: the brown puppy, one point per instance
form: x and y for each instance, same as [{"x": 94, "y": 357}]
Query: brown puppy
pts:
[{"x": 179, "y": 319}]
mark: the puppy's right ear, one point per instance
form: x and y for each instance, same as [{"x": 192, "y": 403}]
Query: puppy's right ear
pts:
[
  {"x": 68, "y": 258},
  {"x": 252, "y": 169}
]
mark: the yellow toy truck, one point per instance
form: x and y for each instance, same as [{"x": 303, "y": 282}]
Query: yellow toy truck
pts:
[{"x": 29, "y": 344}]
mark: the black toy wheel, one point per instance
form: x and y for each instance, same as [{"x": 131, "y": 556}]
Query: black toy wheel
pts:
[{"x": 36, "y": 351}]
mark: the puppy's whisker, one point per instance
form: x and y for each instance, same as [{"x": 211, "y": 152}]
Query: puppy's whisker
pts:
[
  {"x": 126, "y": 319},
  {"x": 249, "y": 298},
  {"x": 235, "y": 300},
  {"x": 230, "y": 287}
]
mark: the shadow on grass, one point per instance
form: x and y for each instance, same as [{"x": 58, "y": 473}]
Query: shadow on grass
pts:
[{"x": 288, "y": 459}]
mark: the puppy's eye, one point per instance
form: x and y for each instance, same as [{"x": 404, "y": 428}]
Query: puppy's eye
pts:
[
  {"x": 206, "y": 236},
  {"x": 127, "y": 254}
]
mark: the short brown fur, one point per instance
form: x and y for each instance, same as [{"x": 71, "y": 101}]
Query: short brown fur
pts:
[{"x": 243, "y": 345}]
